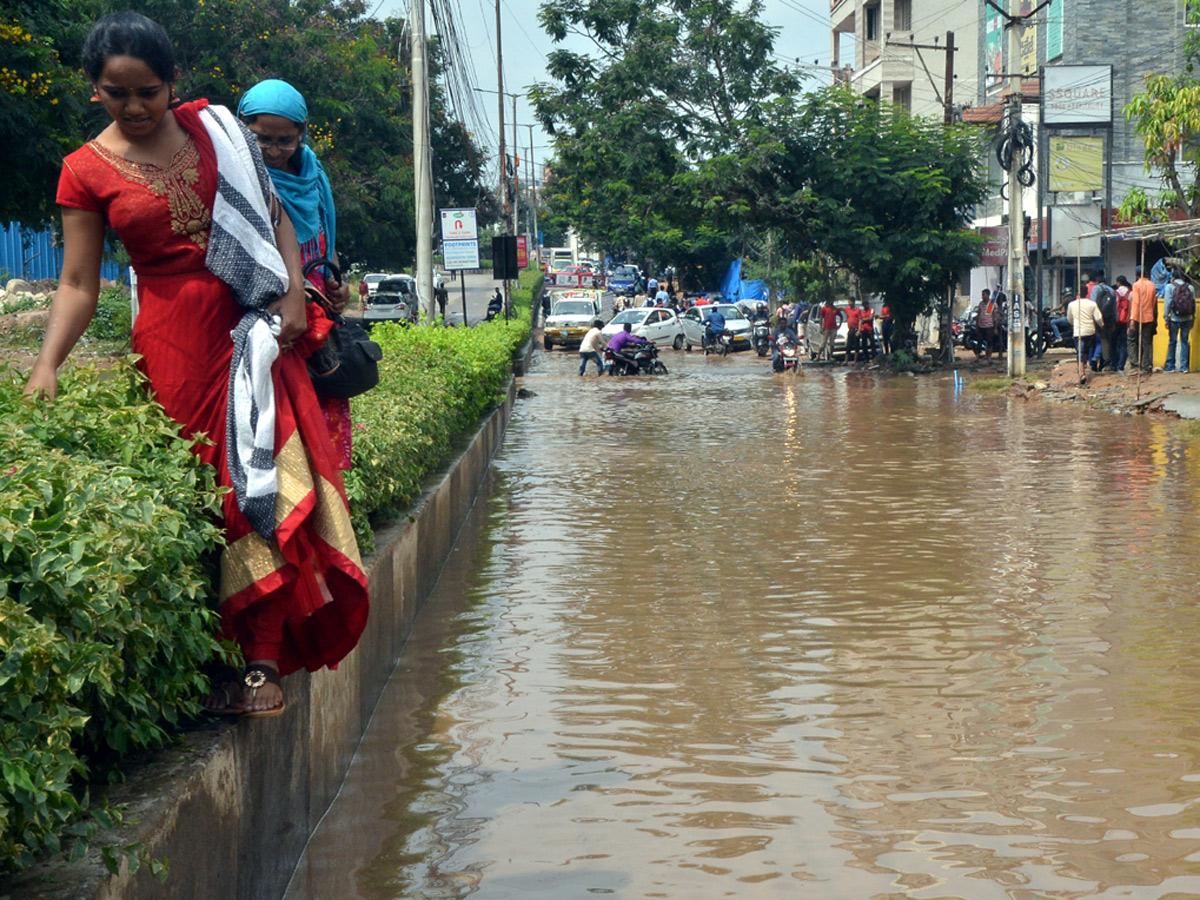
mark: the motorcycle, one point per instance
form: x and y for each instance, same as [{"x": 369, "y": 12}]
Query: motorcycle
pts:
[
  {"x": 760, "y": 337},
  {"x": 493, "y": 309},
  {"x": 719, "y": 344},
  {"x": 789, "y": 355},
  {"x": 634, "y": 359}
]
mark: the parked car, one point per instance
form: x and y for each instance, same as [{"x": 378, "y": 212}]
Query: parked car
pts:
[
  {"x": 568, "y": 322},
  {"x": 736, "y": 324},
  {"x": 810, "y": 332},
  {"x": 394, "y": 300},
  {"x": 372, "y": 279},
  {"x": 652, "y": 323},
  {"x": 626, "y": 280}
]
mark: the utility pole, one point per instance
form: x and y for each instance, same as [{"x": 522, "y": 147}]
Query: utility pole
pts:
[
  {"x": 422, "y": 167},
  {"x": 500, "y": 100},
  {"x": 948, "y": 93},
  {"x": 533, "y": 200},
  {"x": 516, "y": 172},
  {"x": 1016, "y": 207}
]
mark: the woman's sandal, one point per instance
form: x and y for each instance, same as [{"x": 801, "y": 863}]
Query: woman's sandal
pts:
[
  {"x": 224, "y": 681},
  {"x": 258, "y": 676}
]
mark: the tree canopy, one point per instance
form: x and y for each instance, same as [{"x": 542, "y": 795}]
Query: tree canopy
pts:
[
  {"x": 347, "y": 66},
  {"x": 679, "y": 143}
]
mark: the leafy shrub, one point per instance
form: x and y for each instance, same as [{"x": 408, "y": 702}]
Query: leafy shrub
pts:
[
  {"x": 105, "y": 522},
  {"x": 24, "y": 302},
  {"x": 114, "y": 318}
]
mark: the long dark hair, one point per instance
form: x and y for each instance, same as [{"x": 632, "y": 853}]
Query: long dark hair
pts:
[{"x": 129, "y": 34}]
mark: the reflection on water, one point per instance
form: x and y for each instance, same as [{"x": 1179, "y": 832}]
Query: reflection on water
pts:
[{"x": 727, "y": 634}]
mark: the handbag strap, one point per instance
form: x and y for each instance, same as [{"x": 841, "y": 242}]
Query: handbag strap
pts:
[{"x": 315, "y": 294}]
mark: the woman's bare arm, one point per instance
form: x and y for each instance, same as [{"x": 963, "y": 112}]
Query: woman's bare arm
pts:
[{"x": 74, "y": 301}]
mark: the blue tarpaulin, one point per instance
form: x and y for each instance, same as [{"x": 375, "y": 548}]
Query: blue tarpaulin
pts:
[{"x": 733, "y": 288}]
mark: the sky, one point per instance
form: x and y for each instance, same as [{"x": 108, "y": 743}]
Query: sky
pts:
[{"x": 804, "y": 35}]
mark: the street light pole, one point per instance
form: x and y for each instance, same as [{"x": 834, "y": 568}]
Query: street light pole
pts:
[{"x": 1016, "y": 207}]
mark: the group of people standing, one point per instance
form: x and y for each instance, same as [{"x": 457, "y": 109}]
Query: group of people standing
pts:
[
  {"x": 1114, "y": 324},
  {"x": 861, "y": 345},
  {"x": 219, "y": 214}
]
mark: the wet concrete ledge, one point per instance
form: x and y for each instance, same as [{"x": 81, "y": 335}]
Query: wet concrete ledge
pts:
[{"x": 231, "y": 809}]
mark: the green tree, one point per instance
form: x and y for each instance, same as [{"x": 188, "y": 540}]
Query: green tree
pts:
[
  {"x": 666, "y": 87},
  {"x": 882, "y": 193},
  {"x": 42, "y": 100},
  {"x": 1166, "y": 115}
]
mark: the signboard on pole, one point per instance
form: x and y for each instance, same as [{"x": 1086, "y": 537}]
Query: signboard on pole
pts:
[
  {"x": 995, "y": 246},
  {"x": 460, "y": 239},
  {"x": 1077, "y": 95},
  {"x": 1028, "y": 39},
  {"x": 1076, "y": 164},
  {"x": 522, "y": 251}
]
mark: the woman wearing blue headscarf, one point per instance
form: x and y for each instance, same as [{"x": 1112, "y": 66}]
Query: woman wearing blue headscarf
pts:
[{"x": 278, "y": 116}]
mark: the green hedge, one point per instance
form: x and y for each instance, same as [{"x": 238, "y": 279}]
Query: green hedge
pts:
[
  {"x": 435, "y": 383},
  {"x": 107, "y": 538},
  {"x": 106, "y": 519}
]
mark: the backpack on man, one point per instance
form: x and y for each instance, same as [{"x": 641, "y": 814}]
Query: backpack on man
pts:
[{"x": 1183, "y": 301}]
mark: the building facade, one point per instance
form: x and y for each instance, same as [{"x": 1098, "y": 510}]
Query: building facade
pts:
[
  {"x": 1134, "y": 38},
  {"x": 872, "y": 46}
]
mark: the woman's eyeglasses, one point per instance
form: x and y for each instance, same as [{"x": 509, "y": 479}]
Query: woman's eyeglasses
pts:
[{"x": 284, "y": 144}]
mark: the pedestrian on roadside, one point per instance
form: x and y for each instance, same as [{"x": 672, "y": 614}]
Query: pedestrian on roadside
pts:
[
  {"x": 1120, "y": 335},
  {"x": 829, "y": 326},
  {"x": 363, "y": 290},
  {"x": 293, "y": 594},
  {"x": 985, "y": 324},
  {"x": 866, "y": 333},
  {"x": 1179, "y": 309},
  {"x": 1105, "y": 299},
  {"x": 1085, "y": 319},
  {"x": 853, "y": 322},
  {"x": 545, "y": 307},
  {"x": 593, "y": 343},
  {"x": 885, "y": 327},
  {"x": 277, "y": 114},
  {"x": 1143, "y": 320}
]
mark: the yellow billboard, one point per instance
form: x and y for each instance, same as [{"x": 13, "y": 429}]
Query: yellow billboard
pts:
[{"x": 1076, "y": 163}]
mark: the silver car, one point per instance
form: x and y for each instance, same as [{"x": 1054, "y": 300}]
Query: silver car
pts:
[{"x": 395, "y": 300}]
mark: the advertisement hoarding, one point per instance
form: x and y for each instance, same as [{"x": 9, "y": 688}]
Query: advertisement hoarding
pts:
[
  {"x": 1077, "y": 95},
  {"x": 460, "y": 239}
]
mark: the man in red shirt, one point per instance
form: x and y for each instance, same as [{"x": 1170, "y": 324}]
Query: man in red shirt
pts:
[
  {"x": 866, "y": 333},
  {"x": 853, "y": 321},
  {"x": 829, "y": 326}
]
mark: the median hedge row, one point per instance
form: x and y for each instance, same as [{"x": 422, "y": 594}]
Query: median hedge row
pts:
[
  {"x": 107, "y": 549},
  {"x": 107, "y": 523}
]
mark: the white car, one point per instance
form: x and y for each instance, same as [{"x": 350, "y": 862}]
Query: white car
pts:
[
  {"x": 394, "y": 300},
  {"x": 736, "y": 324},
  {"x": 372, "y": 279},
  {"x": 568, "y": 322},
  {"x": 650, "y": 322}
]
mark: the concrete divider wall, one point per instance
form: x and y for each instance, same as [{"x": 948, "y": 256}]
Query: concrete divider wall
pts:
[{"x": 232, "y": 808}]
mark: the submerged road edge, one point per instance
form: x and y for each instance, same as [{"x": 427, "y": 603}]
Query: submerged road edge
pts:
[{"x": 231, "y": 808}]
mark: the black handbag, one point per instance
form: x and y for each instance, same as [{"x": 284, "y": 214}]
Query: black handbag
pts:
[{"x": 348, "y": 362}]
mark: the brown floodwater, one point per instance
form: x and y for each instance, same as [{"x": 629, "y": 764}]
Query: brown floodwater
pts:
[{"x": 726, "y": 634}]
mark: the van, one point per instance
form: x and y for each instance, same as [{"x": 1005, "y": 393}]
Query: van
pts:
[{"x": 560, "y": 258}]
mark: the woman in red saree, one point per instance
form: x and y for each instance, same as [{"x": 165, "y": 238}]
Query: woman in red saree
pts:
[{"x": 296, "y": 599}]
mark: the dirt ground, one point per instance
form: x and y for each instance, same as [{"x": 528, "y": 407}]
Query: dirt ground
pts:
[{"x": 1055, "y": 377}]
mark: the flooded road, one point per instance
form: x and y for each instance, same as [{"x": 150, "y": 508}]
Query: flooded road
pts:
[{"x": 726, "y": 634}]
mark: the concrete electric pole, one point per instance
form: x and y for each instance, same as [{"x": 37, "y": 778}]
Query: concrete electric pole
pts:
[
  {"x": 1016, "y": 205},
  {"x": 422, "y": 163}
]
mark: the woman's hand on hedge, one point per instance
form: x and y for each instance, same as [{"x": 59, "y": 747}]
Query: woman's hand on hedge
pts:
[{"x": 43, "y": 382}]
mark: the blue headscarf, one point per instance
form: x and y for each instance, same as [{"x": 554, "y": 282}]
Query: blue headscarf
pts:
[{"x": 307, "y": 197}]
